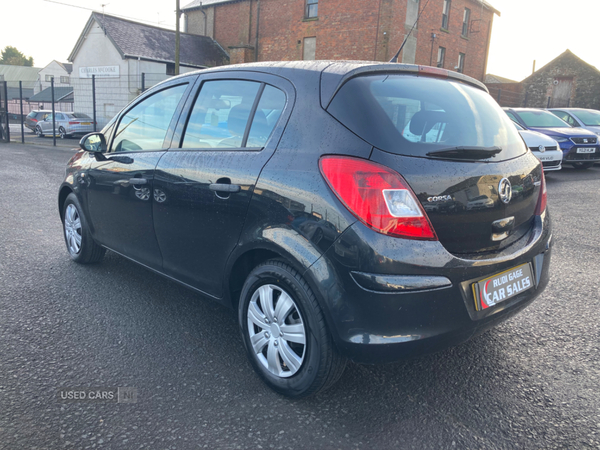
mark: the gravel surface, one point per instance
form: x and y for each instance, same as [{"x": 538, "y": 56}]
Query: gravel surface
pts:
[{"x": 532, "y": 382}]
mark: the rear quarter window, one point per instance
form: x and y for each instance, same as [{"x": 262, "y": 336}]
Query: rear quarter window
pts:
[{"x": 414, "y": 115}]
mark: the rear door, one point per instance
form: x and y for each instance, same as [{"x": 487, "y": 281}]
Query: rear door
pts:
[
  {"x": 120, "y": 183},
  {"x": 204, "y": 183}
]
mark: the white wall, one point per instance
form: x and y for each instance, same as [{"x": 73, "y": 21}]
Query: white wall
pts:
[{"x": 53, "y": 69}]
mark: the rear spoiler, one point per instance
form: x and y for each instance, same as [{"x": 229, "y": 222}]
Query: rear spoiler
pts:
[{"x": 337, "y": 74}]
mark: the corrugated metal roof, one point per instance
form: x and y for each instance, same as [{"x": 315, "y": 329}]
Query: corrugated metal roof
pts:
[{"x": 19, "y": 73}]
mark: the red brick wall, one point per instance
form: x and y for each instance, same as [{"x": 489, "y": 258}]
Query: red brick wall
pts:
[
  {"x": 475, "y": 46},
  {"x": 353, "y": 29}
]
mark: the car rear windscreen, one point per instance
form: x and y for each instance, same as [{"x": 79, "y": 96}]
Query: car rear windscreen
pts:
[{"x": 414, "y": 115}]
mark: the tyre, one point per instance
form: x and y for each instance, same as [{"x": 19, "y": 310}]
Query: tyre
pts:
[
  {"x": 38, "y": 131},
  {"x": 62, "y": 133},
  {"x": 583, "y": 165},
  {"x": 81, "y": 246},
  {"x": 284, "y": 332}
]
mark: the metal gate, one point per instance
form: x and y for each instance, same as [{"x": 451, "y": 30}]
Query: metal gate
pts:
[{"x": 4, "y": 128}]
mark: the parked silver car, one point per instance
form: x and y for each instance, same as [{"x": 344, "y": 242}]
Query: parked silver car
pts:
[
  {"x": 66, "y": 124},
  {"x": 579, "y": 117}
]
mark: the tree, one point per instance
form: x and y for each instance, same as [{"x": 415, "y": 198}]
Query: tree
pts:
[{"x": 13, "y": 57}]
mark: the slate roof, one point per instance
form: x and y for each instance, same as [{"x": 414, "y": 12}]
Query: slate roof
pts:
[
  {"x": 134, "y": 39},
  {"x": 489, "y": 78},
  {"x": 14, "y": 94},
  {"x": 61, "y": 94}
]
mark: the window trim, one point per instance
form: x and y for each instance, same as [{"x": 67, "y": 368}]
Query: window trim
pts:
[
  {"x": 442, "y": 53},
  {"x": 461, "y": 62},
  {"x": 466, "y": 22},
  {"x": 446, "y": 7},
  {"x": 307, "y": 5}
]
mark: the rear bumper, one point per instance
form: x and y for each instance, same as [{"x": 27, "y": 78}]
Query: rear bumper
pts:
[{"x": 375, "y": 324}]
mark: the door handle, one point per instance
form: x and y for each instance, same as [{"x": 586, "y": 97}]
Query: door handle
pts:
[
  {"x": 224, "y": 187},
  {"x": 132, "y": 182}
]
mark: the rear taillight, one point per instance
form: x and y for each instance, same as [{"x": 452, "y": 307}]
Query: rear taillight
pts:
[
  {"x": 541, "y": 204},
  {"x": 34, "y": 120},
  {"x": 73, "y": 123},
  {"x": 377, "y": 196}
]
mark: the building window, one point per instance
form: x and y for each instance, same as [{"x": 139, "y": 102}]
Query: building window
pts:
[
  {"x": 466, "y": 19},
  {"x": 64, "y": 80},
  {"x": 170, "y": 69},
  {"x": 461, "y": 63},
  {"x": 310, "y": 48},
  {"x": 446, "y": 14},
  {"x": 49, "y": 78},
  {"x": 441, "y": 56},
  {"x": 312, "y": 7}
]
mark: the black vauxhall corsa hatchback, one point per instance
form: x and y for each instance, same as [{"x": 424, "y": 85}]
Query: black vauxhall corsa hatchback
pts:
[{"x": 342, "y": 209}]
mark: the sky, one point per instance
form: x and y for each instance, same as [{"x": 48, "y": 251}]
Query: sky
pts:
[{"x": 527, "y": 30}]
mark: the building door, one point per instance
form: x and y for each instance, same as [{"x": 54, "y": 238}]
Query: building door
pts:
[{"x": 561, "y": 95}]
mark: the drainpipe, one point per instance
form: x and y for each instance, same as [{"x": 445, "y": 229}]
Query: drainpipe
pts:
[
  {"x": 257, "y": 26},
  {"x": 205, "y": 23}
]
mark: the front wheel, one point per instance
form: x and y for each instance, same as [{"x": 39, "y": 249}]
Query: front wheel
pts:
[
  {"x": 583, "y": 165},
  {"x": 284, "y": 332},
  {"x": 62, "y": 133},
  {"x": 38, "y": 131},
  {"x": 81, "y": 246}
]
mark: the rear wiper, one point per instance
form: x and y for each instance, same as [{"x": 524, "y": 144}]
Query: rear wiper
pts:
[{"x": 466, "y": 152}]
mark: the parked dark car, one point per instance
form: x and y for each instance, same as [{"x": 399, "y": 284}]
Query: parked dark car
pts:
[
  {"x": 32, "y": 119},
  {"x": 343, "y": 210},
  {"x": 580, "y": 147}
]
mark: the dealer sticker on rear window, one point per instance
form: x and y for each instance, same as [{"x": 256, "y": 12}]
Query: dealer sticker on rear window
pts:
[{"x": 501, "y": 287}]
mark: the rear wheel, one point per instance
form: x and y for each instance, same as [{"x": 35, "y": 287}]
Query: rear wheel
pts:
[
  {"x": 81, "y": 246},
  {"x": 284, "y": 332},
  {"x": 583, "y": 165}
]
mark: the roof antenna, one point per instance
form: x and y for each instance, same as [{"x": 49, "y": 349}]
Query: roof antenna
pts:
[{"x": 395, "y": 58}]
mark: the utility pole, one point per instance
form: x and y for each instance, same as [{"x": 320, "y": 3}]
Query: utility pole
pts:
[{"x": 177, "y": 16}]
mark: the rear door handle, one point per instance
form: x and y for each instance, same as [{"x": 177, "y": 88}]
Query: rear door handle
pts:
[
  {"x": 227, "y": 188},
  {"x": 132, "y": 182}
]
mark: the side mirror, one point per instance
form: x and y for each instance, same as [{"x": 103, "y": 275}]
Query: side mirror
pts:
[{"x": 93, "y": 142}]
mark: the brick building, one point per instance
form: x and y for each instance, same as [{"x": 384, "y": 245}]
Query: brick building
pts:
[
  {"x": 454, "y": 34},
  {"x": 565, "y": 81}
]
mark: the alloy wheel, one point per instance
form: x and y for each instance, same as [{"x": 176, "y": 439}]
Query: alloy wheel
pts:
[
  {"x": 73, "y": 229},
  {"x": 277, "y": 331}
]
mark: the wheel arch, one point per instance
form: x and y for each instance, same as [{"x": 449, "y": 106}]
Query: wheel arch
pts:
[{"x": 63, "y": 193}]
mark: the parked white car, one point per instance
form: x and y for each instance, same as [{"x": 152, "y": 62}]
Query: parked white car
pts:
[
  {"x": 579, "y": 117},
  {"x": 543, "y": 147}
]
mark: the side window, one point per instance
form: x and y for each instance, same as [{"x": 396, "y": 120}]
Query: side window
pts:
[
  {"x": 512, "y": 116},
  {"x": 145, "y": 126},
  {"x": 220, "y": 115},
  {"x": 267, "y": 114},
  {"x": 571, "y": 120}
]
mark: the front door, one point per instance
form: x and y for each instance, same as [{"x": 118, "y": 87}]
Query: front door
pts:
[
  {"x": 120, "y": 182},
  {"x": 204, "y": 184}
]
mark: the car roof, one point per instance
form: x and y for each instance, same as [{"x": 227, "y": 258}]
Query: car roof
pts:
[{"x": 335, "y": 73}]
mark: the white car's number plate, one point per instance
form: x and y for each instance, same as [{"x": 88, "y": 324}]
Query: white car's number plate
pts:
[
  {"x": 546, "y": 158},
  {"x": 586, "y": 150}
]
